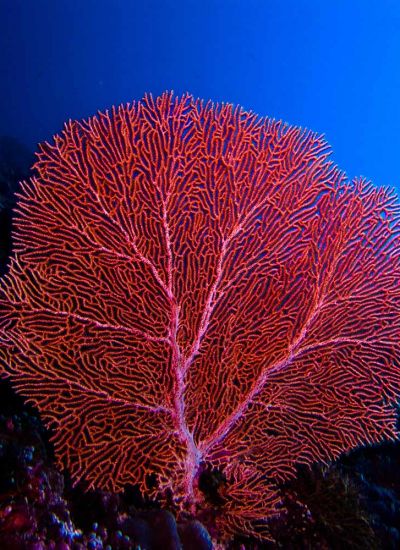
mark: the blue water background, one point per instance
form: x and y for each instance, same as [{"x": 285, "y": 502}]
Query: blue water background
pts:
[{"x": 333, "y": 66}]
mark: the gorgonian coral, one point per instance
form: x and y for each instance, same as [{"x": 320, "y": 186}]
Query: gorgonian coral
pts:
[{"x": 194, "y": 287}]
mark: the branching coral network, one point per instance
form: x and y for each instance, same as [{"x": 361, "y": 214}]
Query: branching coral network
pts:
[{"x": 195, "y": 287}]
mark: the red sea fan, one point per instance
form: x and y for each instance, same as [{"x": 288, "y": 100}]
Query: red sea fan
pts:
[{"x": 194, "y": 287}]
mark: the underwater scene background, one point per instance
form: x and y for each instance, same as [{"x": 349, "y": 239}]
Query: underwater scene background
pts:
[{"x": 329, "y": 68}]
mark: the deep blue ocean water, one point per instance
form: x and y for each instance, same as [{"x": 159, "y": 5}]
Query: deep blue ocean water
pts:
[{"x": 329, "y": 66}]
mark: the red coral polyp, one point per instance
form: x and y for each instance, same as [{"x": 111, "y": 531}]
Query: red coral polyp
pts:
[{"x": 196, "y": 288}]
